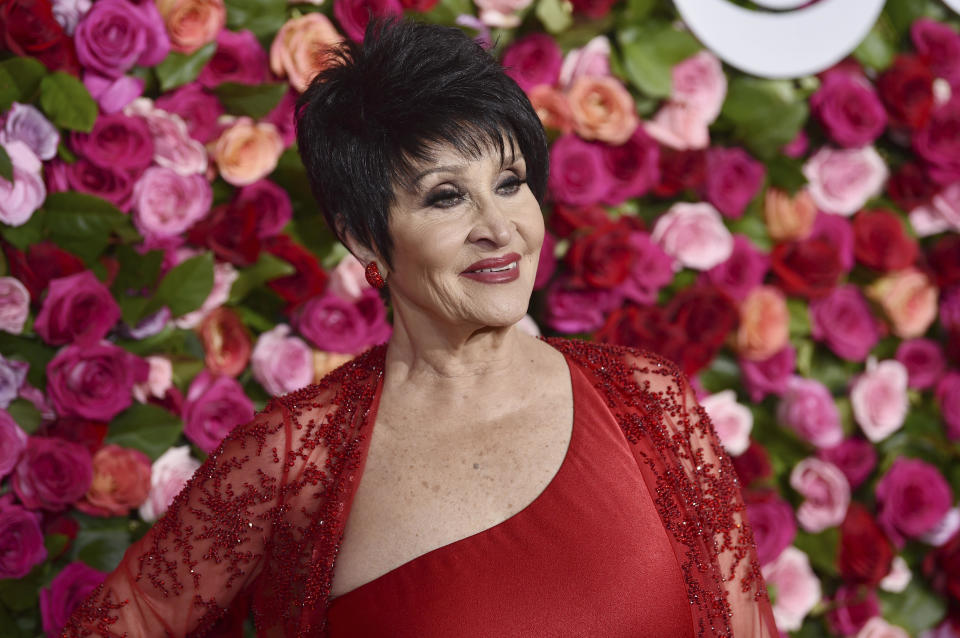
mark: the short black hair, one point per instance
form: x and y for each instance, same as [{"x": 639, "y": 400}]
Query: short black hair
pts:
[{"x": 382, "y": 105}]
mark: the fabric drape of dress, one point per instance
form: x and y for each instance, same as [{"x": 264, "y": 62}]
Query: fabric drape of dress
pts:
[{"x": 640, "y": 533}]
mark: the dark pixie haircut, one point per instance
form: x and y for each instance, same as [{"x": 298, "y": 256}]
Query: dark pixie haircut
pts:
[{"x": 383, "y": 105}]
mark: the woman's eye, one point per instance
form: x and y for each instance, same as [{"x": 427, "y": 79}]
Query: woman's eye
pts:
[
  {"x": 511, "y": 185},
  {"x": 446, "y": 198}
]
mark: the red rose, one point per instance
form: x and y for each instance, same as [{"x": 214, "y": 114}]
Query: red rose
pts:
[
  {"x": 41, "y": 263},
  {"x": 906, "y": 89},
  {"x": 808, "y": 268},
  {"x": 753, "y": 464},
  {"x": 225, "y": 342},
  {"x": 601, "y": 259},
  {"x": 593, "y": 8},
  {"x": 231, "y": 232},
  {"x": 89, "y": 434},
  {"x": 942, "y": 569},
  {"x": 706, "y": 315},
  {"x": 679, "y": 171},
  {"x": 420, "y": 6},
  {"x": 648, "y": 327},
  {"x": 909, "y": 187},
  {"x": 864, "y": 554},
  {"x": 565, "y": 220},
  {"x": 944, "y": 260},
  {"x": 28, "y": 28},
  {"x": 308, "y": 281},
  {"x": 880, "y": 242}
]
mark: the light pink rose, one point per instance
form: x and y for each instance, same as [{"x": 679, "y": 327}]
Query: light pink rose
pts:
[
  {"x": 159, "y": 379},
  {"x": 798, "y": 588},
  {"x": 699, "y": 82},
  {"x": 348, "y": 279},
  {"x": 14, "y": 305},
  {"x": 946, "y": 205},
  {"x": 732, "y": 421},
  {"x": 590, "y": 59},
  {"x": 282, "y": 363},
  {"x": 680, "y": 126},
  {"x": 166, "y": 203},
  {"x": 168, "y": 475},
  {"x": 826, "y": 491},
  {"x": 927, "y": 221},
  {"x": 944, "y": 530},
  {"x": 879, "y": 399},
  {"x": 19, "y": 200},
  {"x": 113, "y": 94},
  {"x": 841, "y": 181},
  {"x": 173, "y": 147},
  {"x": 898, "y": 577},
  {"x": 501, "y": 13},
  {"x": 808, "y": 408},
  {"x": 694, "y": 235},
  {"x": 877, "y": 627},
  {"x": 247, "y": 151},
  {"x": 224, "y": 274},
  {"x": 25, "y": 122}
]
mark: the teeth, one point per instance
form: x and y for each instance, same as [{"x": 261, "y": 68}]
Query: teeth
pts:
[{"x": 510, "y": 267}]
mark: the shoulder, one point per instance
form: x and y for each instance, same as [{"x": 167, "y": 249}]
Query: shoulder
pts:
[{"x": 621, "y": 364}]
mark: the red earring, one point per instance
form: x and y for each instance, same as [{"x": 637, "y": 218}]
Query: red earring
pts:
[{"x": 374, "y": 278}]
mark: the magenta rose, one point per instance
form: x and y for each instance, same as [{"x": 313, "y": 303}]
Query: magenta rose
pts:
[
  {"x": 214, "y": 406},
  {"x": 912, "y": 497},
  {"x": 571, "y": 310},
  {"x": 948, "y": 396},
  {"x": 849, "y": 109},
  {"x": 743, "y": 271},
  {"x": 52, "y": 473},
  {"x": 239, "y": 58},
  {"x": 115, "y": 35},
  {"x": 353, "y": 15},
  {"x": 838, "y": 232},
  {"x": 272, "y": 203},
  {"x": 113, "y": 94},
  {"x": 94, "y": 381},
  {"x": 773, "y": 525},
  {"x": 938, "y": 143},
  {"x": 807, "y": 407},
  {"x": 650, "y": 270},
  {"x": 768, "y": 376},
  {"x": 547, "y": 262},
  {"x": 21, "y": 541},
  {"x": 533, "y": 60},
  {"x": 167, "y": 203},
  {"x": 633, "y": 167},
  {"x": 198, "y": 108},
  {"x": 577, "y": 174},
  {"x": 77, "y": 309},
  {"x": 844, "y": 322},
  {"x": 334, "y": 324},
  {"x": 733, "y": 179},
  {"x": 116, "y": 140},
  {"x": 282, "y": 116},
  {"x": 112, "y": 183},
  {"x": 67, "y": 590},
  {"x": 850, "y": 609},
  {"x": 13, "y": 441},
  {"x": 855, "y": 457},
  {"x": 939, "y": 46},
  {"x": 924, "y": 361}
]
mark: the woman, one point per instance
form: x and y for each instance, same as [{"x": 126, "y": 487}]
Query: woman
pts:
[{"x": 465, "y": 479}]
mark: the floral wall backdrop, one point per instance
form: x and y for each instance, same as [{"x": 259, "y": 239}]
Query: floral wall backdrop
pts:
[{"x": 793, "y": 244}]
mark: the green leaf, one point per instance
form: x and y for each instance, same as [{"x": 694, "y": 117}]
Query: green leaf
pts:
[
  {"x": 253, "y": 100},
  {"x": 799, "y": 317},
  {"x": 723, "y": 374},
  {"x": 26, "y": 415},
  {"x": 916, "y": 608},
  {"x": 131, "y": 308},
  {"x": 878, "y": 49},
  {"x": 19, "y": 595},
  {"x": 19, "y": 81},
  {"x": 100, "y": 542},
  {"x": 267, "y": 267},
  {"x": 145, "y": 427},
  {"x": 136, "y": 271},
  {"x": 33, "y": 351},
  {"x": 82, "y": 224},
  {"x": 554, "y": 15},
  {"x": 178, "y": 68},
  {"x": 67, "y": 102},
  {"x": 6, "y": 165},
  {"x": 650, "y": 53},
  {"x": 764, "y": 114},
  {"x": 786, "y": 173},
  {"x": 185, "y": 287},
  {"x": 263, "y": 17},
  {"x": 446, "y": 11},
  {"x": 27, "y": 234},
  {"x": 55, "y": 544},
  {"x": 821, "y": 548}
]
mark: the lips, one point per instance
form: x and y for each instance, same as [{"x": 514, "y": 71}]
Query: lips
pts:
[{"x": 495, "y": 270}]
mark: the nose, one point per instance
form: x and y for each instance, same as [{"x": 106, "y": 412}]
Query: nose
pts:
[{"x": 492, "y": 224}]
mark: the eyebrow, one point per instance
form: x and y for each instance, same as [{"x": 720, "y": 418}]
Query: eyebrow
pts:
[{"x": 457, "y": 168}]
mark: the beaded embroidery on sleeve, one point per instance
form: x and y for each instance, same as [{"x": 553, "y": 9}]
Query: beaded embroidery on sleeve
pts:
[{"x": 260, "y": 524}]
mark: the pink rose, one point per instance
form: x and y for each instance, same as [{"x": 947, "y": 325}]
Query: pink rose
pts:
[
  {"x": 602, "y": 109},
  {"x": 247, "y": 151},
  {"x": 650, "y": 270},
  {"x": 213, "y": 407},
  {"x": 807, "y": 408},
  {"x": 334, "y": 324},
  {"x": 78, "y": 309},
  {"x": 591, "y": 59},
  {"x": 239, "y": 58},
  {"x": 297, "y": 47},
  {"x": 25, "y": 123},
  {"x": 272, "y": 204},
  {"x": 167, "y": 203},
  {"x": 694, "y": 235},
  {"x": 168, "y": 476},
  {"x": 699, "y": 82},
  {"x": 771, "y": 518},
  {"x": 679, "y": 126},
  {"x": 826, "y": 493},
  {"x": 501, "y": 13},
  {"x": 353, "y": 15},
  {"x": 159, "y": 379},
  {"x": 764, "y": 323},
  {"x": 14, "y": 305},
  {"x": 742, "y": 272},
  {"x": 924, "y": 361},
  {"x": 572, "y": 310},
  {"x": 946, "y": 207},
  {"x": 533, "y": 60},
  {"x": 196, "y": 107},
  {"x": 20, "y": 198},
  {"x": 849, "y": 109},
  {"x": 577, "y": 173},
  {"x": 877, "y": 627},
  {"x": 173, "y": 147},
  {"x": 855, "y": 457},
  {"x": 912, "y": 497},
  {"x": 797, "y": 587},
  {"x": 732, "y": 421},
  {"x": 192, "y": 23},
  {"x": 282, "y": 363},
  {"x": 121, "y": 481},
  {"x": 843, "y": 320},
  {"x": 948, "y": 397},
  {"x": 841, "y": 181},
  {"x": 770, "y": 375},
  {"x": 93, "y": 381},
  {"x": 67, "y": 590},
  {"x": 879, "y": 399},
  {"x": 733, "y": 179},
  {"x": 348, "y": 280},
  {"x": 909, "y": 299},
  {"x": 13, "y": 441},
  {"x": 939, "y": 46},
  {"x": 113, "y": 94},
  {"x": 632, "y": 167},
  {"x": 21, "y": 541},
  {"x": 12, "y": 376},
  {"x": 115, "y": 35},
  {"x": 52, "y": 473}
]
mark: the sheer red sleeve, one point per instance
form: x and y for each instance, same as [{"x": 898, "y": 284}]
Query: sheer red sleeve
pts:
[{"x": 184, "y": 573}]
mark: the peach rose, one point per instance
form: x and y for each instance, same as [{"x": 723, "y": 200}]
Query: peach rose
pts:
[
  {"x": 909, "y": 299},
  {"x": 247, "y": 151},
  {"x": 602, "y": 109},
  {"x": 299, "y": 50},
  {"x": 326, "y": 362},
  {"x": 192, "y": 23},
  {"x": 764, "y": 323},
  {"x": 121, "y": 481},
  {"x": 788, "y": 218},
  {"x": 552, "y": 107}
]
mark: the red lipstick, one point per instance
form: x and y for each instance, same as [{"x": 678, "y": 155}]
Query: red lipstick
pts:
[{"x": 496, "y": 270}]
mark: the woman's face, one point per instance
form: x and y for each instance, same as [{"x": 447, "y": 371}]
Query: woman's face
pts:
[{"x": 467, "y": 234}]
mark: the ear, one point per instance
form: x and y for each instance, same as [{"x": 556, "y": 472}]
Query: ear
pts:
[{"x": 363, "y": 253}]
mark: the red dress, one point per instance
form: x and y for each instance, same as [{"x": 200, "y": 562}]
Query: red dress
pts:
[{"x": 576, "y": 561}]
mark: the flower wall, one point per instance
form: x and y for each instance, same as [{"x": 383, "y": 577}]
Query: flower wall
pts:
[{"x": 793, "y": 244}]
